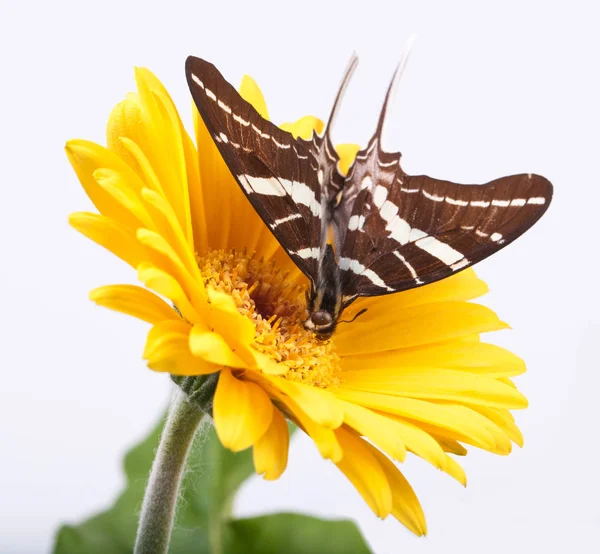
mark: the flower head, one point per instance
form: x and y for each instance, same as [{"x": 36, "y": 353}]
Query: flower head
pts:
[{"x": 409, "y": 375}]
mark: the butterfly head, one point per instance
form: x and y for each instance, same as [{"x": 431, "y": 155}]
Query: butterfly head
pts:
[
  {"x": 323, "y": 300},
  {"x": 322, "y": 323}
]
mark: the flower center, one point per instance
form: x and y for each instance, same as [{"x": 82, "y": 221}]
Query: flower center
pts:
[{"x": 277, "y": 307}]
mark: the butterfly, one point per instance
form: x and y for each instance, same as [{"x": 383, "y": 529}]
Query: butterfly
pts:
[{"x": 371, "y": 232}]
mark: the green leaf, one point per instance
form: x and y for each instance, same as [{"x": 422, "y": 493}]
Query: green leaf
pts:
[
  {"x": 295, "y": 534},
  {"x": 204, "y": 524}
]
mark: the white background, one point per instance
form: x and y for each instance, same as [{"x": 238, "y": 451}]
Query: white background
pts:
[{"x": 491, "y": 89}]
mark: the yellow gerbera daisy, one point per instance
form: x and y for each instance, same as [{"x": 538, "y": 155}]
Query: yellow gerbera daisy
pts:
[{"x": 409, "y": 375}]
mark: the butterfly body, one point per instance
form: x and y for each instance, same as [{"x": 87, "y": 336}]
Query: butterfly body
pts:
[
  {"x": 371, "y": 232},
  {"x": 324, "y": 298}
]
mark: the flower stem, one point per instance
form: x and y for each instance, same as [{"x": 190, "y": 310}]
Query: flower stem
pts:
[{"x": 160, "y": 499}]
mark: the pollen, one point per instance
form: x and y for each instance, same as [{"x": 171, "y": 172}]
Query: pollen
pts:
[{"x": 276, "y": 304}]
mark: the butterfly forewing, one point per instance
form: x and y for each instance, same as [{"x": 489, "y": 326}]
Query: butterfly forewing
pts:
[{"x": 277, "y": 172}]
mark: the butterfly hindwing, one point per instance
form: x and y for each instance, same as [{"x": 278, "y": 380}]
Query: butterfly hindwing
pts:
[{"x": 406, "y": 231}]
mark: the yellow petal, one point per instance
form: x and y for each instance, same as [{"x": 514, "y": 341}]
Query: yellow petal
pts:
[
  {"x": 415, "y": 326},
  {"x": 380, "y": 430},
  {"x": 217, "y": 185},
  {"x": 115, "y": 184},
  {"x": 212, "y": 347},
  {"x": 323, "y": 437},
  {"x": 111, "y": 235},
  {"x": 406, "y": 507},
  {"x": 86, "y": 157},
  {"x": 452, "y": 446},
  {"x": 464, "y": 424},
  {"x": 146, "y": 172},
  {"x": 191, "y": 174},
  {"x": 320, "y": 405},
  {"x": 304, "y": 127},
  {"x": 364, "y": 471},
  {"x": 135, "y": 301},
  {"x": 165, "y": 145},
  {"x": 252, "y": 94},
  {"x": 500, "y": 442},
  {"x": 419, "y": 442},
  {"x": 270, "y": 452},
  {"x": 436, "y": 384},
  {"x": 166, "y": 223},
  {"x": 242, "y": 412},
  {"x": 347, "y": 153},
  {"x": 237, "y": 330},
  {"x": 125, "y": 120},
  {"x": 171, "y": 263},
  {"x": 162, "y": 332},
  {"x": 505, "y": 420},
  {"x": 477, "y": 357},
  {"x": 166, "y": 285},
  {"x": 267, "y": 364},
  {"x": 454, "y": 469},
  {"x": 507, "y": 381},
  {"x": 225, "y": 319},
  {"x": 186, "y": 196},
  {"x": 167, "y": 350},
  {"x": 459, "y": 287}
]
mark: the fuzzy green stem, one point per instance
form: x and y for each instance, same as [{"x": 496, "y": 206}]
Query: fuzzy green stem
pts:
[{"x": 160, "y": 499}]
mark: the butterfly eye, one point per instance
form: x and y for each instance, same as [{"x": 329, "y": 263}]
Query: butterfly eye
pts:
[{"x": 321, "y": 317}]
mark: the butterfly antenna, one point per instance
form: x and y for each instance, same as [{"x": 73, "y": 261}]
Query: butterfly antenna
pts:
[
  {"x": 390, "y": 91},
  {"x": 351, "y": 320},
  {"x": 334, "y": 111}
]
